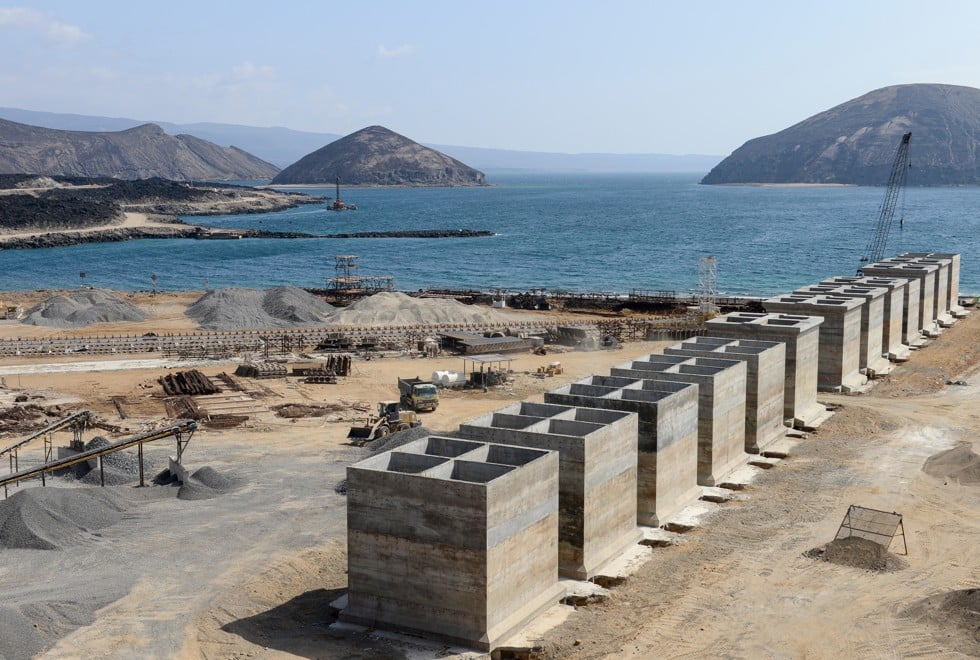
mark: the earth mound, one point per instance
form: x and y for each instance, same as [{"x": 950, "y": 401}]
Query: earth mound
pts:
[
  {"x": 83, "y": 308},
  {"x": 857, "y": 552},
  {"x": 393, "y": 308},
  {"x": 960, "y": 464},
  {"x": 240, "y": 309},
  {"x": 954, "y": 619},
  {"x": 56, "y": 518}
]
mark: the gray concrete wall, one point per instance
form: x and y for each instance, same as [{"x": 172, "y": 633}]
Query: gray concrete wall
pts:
[
  {"x": 667, "y": 436},
  {"x": 597, "y": 475},
  {"x": 801, "y": 336},
  {"x": 765, "y": 382},
  {"x": 464, "y": 547},
  {"x": 840, "y": 336},
  {"x": 721, "y": 406}
]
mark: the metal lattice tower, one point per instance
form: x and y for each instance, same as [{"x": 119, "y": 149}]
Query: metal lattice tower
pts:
[{"x": 707, "y": 285}]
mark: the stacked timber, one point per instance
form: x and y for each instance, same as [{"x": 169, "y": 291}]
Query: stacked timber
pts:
[{"x": 187, "y": 382}]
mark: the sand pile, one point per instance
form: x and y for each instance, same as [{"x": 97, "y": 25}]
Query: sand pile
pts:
[
  {"x": 857, "y": 552},
  {"x": 239, "y": 308},
  {"x": 957, "y": 464},
  {"x": 207, "y": 483},
  {"x": 83, "y": 308},
  {"x": 56, "y": 518},
  {"x": 392, "y": 308}
]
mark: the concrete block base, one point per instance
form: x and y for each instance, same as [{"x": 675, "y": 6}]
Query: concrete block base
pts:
[
  {"x": 900, "y": 354},
  {"x": 812, "y": 417},
  {"x": 663, "y": 513},
  {"x": 502, "y": 631}
]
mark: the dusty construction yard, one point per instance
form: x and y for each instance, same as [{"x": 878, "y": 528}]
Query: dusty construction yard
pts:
[{"x": 250, "y": 573}]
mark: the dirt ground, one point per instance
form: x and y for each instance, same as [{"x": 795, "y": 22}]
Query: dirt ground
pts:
[{"x": 250, "y": 574}]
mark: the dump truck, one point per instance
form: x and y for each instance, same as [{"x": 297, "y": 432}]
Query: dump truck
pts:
[
  {"x": 417, "y": 394},
  {"x": 389, "y": 419}
]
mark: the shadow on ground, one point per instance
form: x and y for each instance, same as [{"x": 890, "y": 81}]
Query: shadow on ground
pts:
[{"x": 301, "y": 627}]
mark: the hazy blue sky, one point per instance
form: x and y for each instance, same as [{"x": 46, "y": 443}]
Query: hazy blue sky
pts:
[{"x": 625, "y": 77}]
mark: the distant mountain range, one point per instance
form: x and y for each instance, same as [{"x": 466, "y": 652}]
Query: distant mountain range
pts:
[
  {"x": 141, "y": 152},
  {"x": 856, "y": 142},
  {"x": 285, "y": 146},
  {"x": 378, "y": 156}
]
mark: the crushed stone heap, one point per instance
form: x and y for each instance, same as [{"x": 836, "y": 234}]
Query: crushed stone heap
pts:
[
  {"x": 392, "y": 308},
  {"x": 83, "y": 308},
  {"x": 243, "y": 309}
]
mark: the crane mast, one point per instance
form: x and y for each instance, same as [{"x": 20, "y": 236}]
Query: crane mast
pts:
[{"x": 896, "y": 183}]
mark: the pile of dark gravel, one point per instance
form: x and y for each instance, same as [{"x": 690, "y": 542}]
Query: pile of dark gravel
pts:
[
  {"x": 121, "y": 467},
  {"x": 56, "y": 518},
  {"x": 858, "y": 552},
  {"x": 207, "y": 483}
]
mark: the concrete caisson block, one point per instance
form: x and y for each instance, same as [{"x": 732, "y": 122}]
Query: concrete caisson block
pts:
[
  {"x": 838, "y": 365},
  {"x": 871, "y": 359},
  {"x": 597, "y": 451},
  {"x": 667, "y": 436},
  {"x": 721, "y": 406},
  {"x": 801, "y": 336},
  {"x": 765, "y": 382},
  {"x": 893, "y": 312},
  {"x": 923, "y": 321},
  {"x": 453, "y": 539}
]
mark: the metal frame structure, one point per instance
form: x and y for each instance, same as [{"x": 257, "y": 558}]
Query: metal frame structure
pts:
[
  {"x": 182, "y": 431},
  {"x": 896, "y": 185},
  {"x": 873, "y": 525},
  {"x": 78, "y": 422},
  {"x": 707, "y": 285}
]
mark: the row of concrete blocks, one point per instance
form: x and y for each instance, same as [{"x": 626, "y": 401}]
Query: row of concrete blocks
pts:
[
  {"x": 875, "y": 318},
  {"x": 465, "y": 537}
]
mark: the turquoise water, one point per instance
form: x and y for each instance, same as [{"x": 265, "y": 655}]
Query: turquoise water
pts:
[{"x": 580, "y": 232}]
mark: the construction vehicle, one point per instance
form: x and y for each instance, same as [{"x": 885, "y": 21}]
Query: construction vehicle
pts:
[
  {"x": 417, "y": 394},
  {"x": 389, "y": 419},
  {"x": 896, "y": 185}
]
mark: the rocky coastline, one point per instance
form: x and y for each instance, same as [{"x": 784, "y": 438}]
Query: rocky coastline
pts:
[{"x": 65, "y": 239}]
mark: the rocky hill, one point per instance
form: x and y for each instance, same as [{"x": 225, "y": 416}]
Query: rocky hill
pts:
[
  {"x": 855, "y": 142},
  {"x": 380, "y": 157},
  {"x": 137, "y": 153}
]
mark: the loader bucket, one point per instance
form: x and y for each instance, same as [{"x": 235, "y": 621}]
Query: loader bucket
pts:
[{"x": 359, "y": 432}]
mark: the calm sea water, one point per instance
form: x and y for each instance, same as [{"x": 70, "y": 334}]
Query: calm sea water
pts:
[{"x": 580, "y": 232}]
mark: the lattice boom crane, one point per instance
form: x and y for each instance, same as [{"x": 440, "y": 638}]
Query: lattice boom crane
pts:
[{"x": 896, "y": 184}]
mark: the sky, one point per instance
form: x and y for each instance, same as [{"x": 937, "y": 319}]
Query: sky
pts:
[{"x": 618, "y": 76}]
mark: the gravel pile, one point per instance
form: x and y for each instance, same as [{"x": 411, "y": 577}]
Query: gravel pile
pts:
[
  {"x": 857, "y": 552},
  {"x": 18, "y": 636},
  {"x": 960, "y": 464},
  {"x": 56, "y": 518},
  {"x": 207, "y": 483},
  {"x": 121, "y": 467},
  {"x": 83, "y": 308},
  {"x": 392, "y": 308},
  {"x": 242, "y": 309}
]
